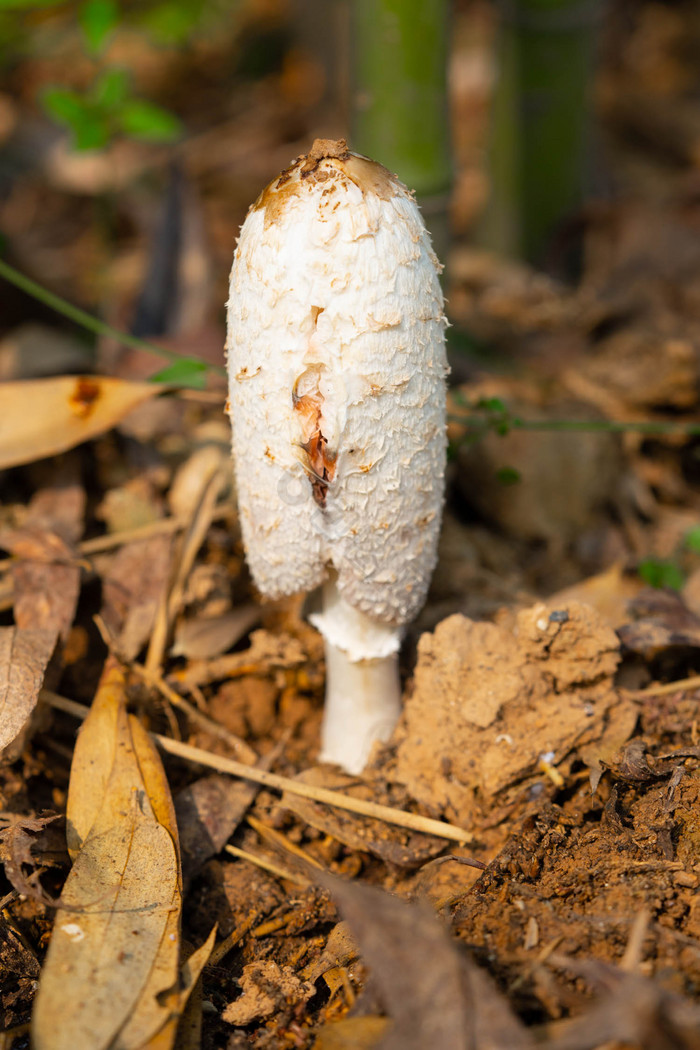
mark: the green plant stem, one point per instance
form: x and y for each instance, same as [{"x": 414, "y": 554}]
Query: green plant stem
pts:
[
  {"x": 86, "y": 320},
  {"x": 478, "y": 427}
]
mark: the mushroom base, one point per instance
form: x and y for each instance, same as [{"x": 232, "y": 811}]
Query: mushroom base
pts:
[{"x": 363, "y": 704}]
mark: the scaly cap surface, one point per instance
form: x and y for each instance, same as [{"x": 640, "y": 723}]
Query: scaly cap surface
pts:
[{"x": 337, "y": 371}]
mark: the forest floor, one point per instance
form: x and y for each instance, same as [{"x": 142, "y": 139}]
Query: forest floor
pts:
[{"x": 551, "y": 683}]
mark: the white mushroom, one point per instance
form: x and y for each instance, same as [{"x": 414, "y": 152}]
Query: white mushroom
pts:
[{"x": 337, "y": 367}]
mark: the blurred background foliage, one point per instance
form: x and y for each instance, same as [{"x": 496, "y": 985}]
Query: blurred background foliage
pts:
[
  {"x": 134, "y": 133},
  {"x": 554, "y": 146}
]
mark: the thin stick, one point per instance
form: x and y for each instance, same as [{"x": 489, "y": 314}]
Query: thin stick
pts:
[
  {"x": 682, "y": 685},
  {"x": 171, "y": 597},
  {"x": 232, "y": 940},
  {"x": 276, "y": 838},
  {"x": 412, "y": 821},
  {"x": 194, "y": 714},
  {"x": 260, "y": 862}
]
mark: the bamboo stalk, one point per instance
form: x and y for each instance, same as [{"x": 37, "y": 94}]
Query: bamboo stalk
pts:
[
  {"x": 539, "y": 156},
  {"x": 399, "y": 110}
]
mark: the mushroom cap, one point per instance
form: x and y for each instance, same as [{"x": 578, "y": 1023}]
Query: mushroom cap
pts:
[{"x": 336, "y": 359}]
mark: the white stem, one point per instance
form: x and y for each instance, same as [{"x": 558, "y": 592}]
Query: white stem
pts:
[{"x": 363, "y": 691}]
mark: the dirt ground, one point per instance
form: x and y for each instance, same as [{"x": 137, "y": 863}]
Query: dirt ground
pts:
[{"x": 551, "y": 683}]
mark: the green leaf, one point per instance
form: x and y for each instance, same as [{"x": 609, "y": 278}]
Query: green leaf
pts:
[
  {"x": 90, "y": 129},
  {"x": 145, "y": 120},
  {"x": 171, "y": 23},
  {"x": 659, "y": 573},
  {"x": 63, "y": 105},
  {"x": 188, "y": 371},
  {"x": 508, "y": 475},
  {"x": 110, "y": 89},
  {"x": 493, "y": 405},
  {"x": 97, "y": 20},
  {"x": 692, "y": 540}
]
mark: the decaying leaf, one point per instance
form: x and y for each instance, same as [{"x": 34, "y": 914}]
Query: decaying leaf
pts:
[
  {"x": 24, "y": 655},
  {"x": 111, "y": 973},
  {"x": 202, "y": 637},
  {"x": 448, "y": 1003},
  {"x": 132, "y": 586},
  {"x": 30, "y": 845},
  {"x": 352, "y": 1033},
  {"x": 634, "y": 1011},
  {"x": 208, "y": 812},
  {"x": 42, "y": 417},
  {"x": 46, "y": 572}
]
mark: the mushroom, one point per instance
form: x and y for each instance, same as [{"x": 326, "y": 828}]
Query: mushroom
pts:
[{"x": 336, "y": 362}]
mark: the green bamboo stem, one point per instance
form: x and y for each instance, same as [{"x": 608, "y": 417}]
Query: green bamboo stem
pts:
[
  {"x": 399, "y": 112},
  {"x": 540, "y": 122}
]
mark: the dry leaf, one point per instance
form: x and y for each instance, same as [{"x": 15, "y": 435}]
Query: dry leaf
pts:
[
  {"x": 208, "y": 812},
  {"x": 46, "y": 576},
  {"x": 42, "y": 417},
  {"x": 202, "y": 637},
  {"x": 24, "y": 655},
  {"x": 131, "y": 589},
  {"x": 30, "y": 845},
  {"x": 188, "y": 1018},
  {"x": 352, "y": 1033},
  {"x": 449, "y": 1003},
  {"x": 111, "y": 972}
]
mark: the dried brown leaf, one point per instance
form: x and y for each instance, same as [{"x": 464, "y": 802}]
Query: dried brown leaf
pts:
[
  {"x": 45, "y": 596},
  {"x": 46, "y": 579},
  {"x": 111, "y": 972},
  {"x": 29, "y": 845},
  {"x": 208, "y": 812},
  {"x": 203, "y": 637},
  {"x": 24, "y": 655},
  {"x": 352, "y": 1033},
  {"x": 450, "y": 1003},
  {"x": 132, "y": 586},
  {"x": 42, "y": 417},
  {"x": 635, "y": 1011}
]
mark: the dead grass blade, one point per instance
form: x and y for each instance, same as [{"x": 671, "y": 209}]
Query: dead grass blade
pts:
[{"x": 192, "y": 540}]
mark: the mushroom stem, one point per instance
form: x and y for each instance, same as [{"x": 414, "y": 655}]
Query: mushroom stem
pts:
[{"x": 363, "y": 690}]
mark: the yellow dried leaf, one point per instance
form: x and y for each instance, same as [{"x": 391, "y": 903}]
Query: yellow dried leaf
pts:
[
  {"x": 111, "y": 976},
  {"x": 42, "y": 417},
  {"x": 352, "y": 1033}
]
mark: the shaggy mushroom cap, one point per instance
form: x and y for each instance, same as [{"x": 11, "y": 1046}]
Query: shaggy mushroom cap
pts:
[{"x": 337, "y": 370}]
